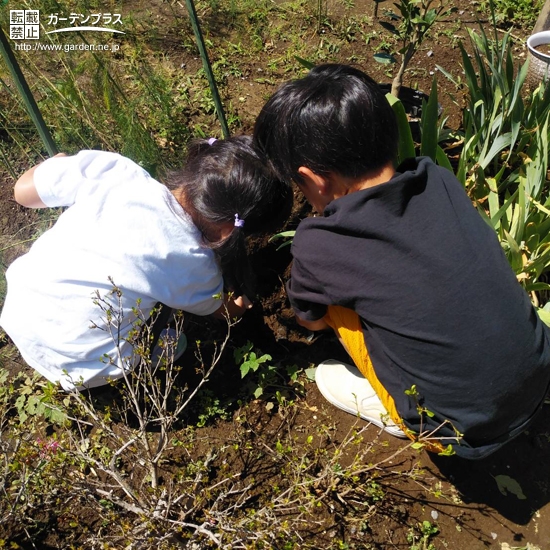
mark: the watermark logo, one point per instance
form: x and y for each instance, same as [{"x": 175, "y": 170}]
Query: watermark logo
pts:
[{"x": 25, "y": 24}]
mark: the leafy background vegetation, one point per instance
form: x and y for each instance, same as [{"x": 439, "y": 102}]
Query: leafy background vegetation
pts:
[{"x": 166, "y": 461}]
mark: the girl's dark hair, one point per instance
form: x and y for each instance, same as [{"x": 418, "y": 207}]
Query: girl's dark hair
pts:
[
  {"x": 335, "y": 119},
  {"x": 224, "y": 178}
]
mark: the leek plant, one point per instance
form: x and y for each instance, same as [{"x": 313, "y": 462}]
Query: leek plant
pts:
[
  {"x": 504, "y": 158},
  {"x": 432, "y": 131}
]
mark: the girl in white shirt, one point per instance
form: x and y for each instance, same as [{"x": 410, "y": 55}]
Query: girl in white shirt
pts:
[{"x": 156, "y": 243}]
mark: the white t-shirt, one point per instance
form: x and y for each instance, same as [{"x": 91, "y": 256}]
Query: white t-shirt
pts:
[{"x": 122, "y": 225}]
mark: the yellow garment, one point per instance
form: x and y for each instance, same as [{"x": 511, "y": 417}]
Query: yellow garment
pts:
[{"x": 347, "y": 325}]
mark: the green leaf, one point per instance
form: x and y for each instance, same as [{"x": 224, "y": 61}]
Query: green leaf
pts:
[
  {"x": 544, "y": 315},
  {"x": 389, "y": 27},
  {"x": 517, "y": 226},
  {"x": 500, "y": 143},
  {"x": 245, "y": 368},
  {"x": 20, "y": 402},
  {"x": 310, "y": 373},
  {"x": 282, "y": 234},
  {"x": 447, "y": 74},
  {"x": 307, "y": 64},
  {"x": 242, "y": 353},
  {"x": 497, "y": 215},
  {"x": 442, "y": 159},
  {"x": 514, "y": 253},
  {"x": 384, "y": 58},
  {"x": 55, "y": 415},
  {"x": 449, "y": 451},
  {"x": 287, "y": 243},
  {"x": 405, "y": 147},
  {"x": 507, "y": 485},
  {"x": 430, "y": 133}
]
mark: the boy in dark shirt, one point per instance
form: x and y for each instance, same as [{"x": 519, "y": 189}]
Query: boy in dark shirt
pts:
[{"x": 448, "y": 346}]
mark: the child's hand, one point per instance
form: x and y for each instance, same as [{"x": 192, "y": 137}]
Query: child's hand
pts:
[
  {"x": 236, "y": 307},
  {"x": 233, "y": 307},
  {"x": 243, "y": 302}
]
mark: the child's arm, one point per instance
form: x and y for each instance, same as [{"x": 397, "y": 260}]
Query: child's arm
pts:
[
  {"x": 320, "y": 324},
  {"x": 25, "y": 191}
]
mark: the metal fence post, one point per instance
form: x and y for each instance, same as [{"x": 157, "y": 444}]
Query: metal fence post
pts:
[
  {"x": 207, "y": 67},
  {"x": 26, "y": 94}
]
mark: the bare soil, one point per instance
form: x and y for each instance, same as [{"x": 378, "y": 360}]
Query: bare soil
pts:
[{"x": 462, "y": 498}]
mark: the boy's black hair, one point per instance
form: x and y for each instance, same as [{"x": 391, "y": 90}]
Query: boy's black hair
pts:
[
  {"x": 335, "y": 119},
  {"x": 224, "y": 178}
]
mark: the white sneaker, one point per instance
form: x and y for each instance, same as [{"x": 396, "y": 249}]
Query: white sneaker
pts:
[
  {"x": 345, "y": 387},
  {"x": 170, "y": 334}
]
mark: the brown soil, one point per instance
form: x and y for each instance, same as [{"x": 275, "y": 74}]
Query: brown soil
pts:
[
  {"x": 543, "y": 49},
  {"x": 462, "y": 498}
]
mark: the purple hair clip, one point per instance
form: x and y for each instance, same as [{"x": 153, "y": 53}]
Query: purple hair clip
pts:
[
  {"x": 211, "y": 141},
  {"x": 238, "y": 221}
]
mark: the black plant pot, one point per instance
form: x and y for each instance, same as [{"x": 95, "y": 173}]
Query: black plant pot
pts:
[
  {"x": 412, "y": 102},
  {"x": 411, "y": 99}
]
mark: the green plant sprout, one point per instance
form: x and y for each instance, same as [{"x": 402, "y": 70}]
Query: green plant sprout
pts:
[
  {"x": 252, "y": 362},
  {"x": 248, "y": 359},
  {"x": 288, "y": 235},
  {"x": 267, "y": 375},
  {"x": 425, "y": 437},
  {"x": 421, "y": 536}
]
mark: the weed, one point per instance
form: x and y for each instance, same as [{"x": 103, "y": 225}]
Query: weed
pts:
[
  {"x": 287, "y": 235},
  {"x": 90, "y": 101},
  {"x": 209, "y": 407},
  {"x": 513, "y": 12},
  {"x": 420, "y": 537},
  {"x": 268, "y": 378}
]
